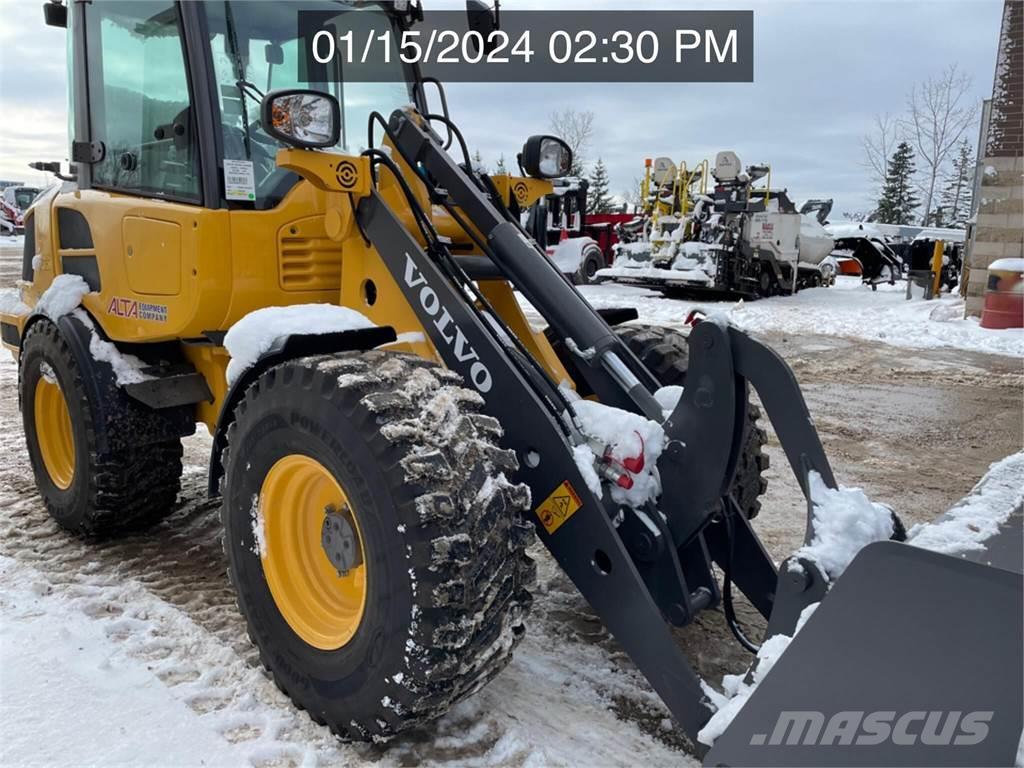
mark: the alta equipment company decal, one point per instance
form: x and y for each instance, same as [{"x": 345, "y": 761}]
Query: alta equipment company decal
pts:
[{"x": 140, "y": 310}]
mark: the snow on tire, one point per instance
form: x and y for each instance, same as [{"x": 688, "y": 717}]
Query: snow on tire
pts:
[{"x": 441, "y": 528}]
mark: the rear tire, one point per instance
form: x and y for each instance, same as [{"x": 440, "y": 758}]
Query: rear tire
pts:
[
  {"x": 86, "y": 491},
  {"x": 666, "y": 355},
  {"x": 441, "y": 530}
]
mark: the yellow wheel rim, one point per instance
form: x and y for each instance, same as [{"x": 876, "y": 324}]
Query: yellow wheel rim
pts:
[
  {"x": 54, "y": 433},
  {"x": 321, "y": 606}
]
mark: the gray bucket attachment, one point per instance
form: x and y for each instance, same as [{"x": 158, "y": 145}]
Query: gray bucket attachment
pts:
[{"x": 912, "y": 659}]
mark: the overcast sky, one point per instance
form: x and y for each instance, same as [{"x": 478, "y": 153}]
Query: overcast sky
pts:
[{"x": 821, "y": 71}]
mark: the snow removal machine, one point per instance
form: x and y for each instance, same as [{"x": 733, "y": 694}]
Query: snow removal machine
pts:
[
  {"x": 742, "y": 238},
  {"x": 390, "y": 433}
]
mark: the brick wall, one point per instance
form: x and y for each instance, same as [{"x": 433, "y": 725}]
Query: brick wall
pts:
[{"x": 999, "y": 227}]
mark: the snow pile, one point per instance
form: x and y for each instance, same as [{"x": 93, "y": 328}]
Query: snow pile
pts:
[
  {"x": 249, "y": 338},
  {"x": 739, "y": 688},
  {"x": 848, "y": 309},
  {"x": 64, "y": 294},
  {"x": 978, "y": 515},
  {"x": 845, "y": 521},
  {"x": 852, "y": 309},
  {"x": 619, "y": 436},
  {"x": 11, "y": 303},
  {"x": 584, "y": 458},
  {"x": 127, "y": 368}
]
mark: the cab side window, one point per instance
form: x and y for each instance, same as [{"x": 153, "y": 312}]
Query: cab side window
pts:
[{"x": 139, "y": 100}]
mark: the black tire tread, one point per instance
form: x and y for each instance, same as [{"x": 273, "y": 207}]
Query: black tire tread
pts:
[
  {"x": 128, "y": 488},
  {"x": 472, "y": 570}
]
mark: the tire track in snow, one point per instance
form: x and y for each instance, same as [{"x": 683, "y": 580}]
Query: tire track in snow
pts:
[{"x": 163, "y": 599}]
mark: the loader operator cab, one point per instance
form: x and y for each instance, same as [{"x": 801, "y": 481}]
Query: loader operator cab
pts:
[{"x": 174, "y": 92}]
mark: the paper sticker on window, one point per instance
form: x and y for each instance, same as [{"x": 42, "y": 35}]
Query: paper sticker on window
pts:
[{"x": 239, "y": 181}]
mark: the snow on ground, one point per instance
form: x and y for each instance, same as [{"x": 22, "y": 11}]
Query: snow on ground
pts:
[
  {"x": 60, "y": 667},
  {"x": 847, "y": 309},
  {"x": 738, "y": 689},
  {"x": 132, "y": 652}
]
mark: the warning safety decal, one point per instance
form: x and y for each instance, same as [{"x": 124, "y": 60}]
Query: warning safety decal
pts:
[{"x": 558, "y": 507}]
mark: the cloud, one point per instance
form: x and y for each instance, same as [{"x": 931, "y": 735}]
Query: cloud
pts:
[{"x": 822, "y": 70}]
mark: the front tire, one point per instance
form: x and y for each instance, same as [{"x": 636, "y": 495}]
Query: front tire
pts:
[{"x": 439, "y": 526}]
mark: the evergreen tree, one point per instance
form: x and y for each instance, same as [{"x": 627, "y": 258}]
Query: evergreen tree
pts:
[
  {"x": 598, "y": 199},
  {"x": 899, "y": 201},
  {"x": 958, "y": 192},
  {"x": 478, "y": 162},
  {"x": 500, "y": 169}
]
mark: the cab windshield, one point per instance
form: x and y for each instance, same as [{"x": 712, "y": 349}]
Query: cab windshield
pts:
[{"x": 255, "y": 49}]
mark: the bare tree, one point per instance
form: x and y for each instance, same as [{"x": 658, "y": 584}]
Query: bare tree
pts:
[
  {"x": 941, "y": 109},
  {"x": 879, "y": 145},
  {"x": 631, "y": 195},
  {"x": 576, "y": 129}
]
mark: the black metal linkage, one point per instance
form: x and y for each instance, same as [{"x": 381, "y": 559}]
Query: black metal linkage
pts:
[{"x": 586, "y": 545}]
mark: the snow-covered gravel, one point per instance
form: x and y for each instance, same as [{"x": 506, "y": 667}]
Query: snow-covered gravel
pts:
[
  {"x": 60, "y": 667},
  {"x": 161, "y": 641},
  {"x": 847, "y": 309},
  {"x": 159, "y": 630}
]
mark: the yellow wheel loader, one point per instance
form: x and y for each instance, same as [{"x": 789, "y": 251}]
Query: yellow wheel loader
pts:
[{"x": 235, "y": 247}]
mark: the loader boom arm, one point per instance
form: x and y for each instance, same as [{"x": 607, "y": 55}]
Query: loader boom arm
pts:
[{"x": 637, "y": 585}]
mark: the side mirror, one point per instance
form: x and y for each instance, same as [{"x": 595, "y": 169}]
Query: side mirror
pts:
[
  {"x": 55, "y": 15},
  {"x": 482, "y": 20},
  {"x": 302, "y": 118},
  {"x": 545, "y": 157}
]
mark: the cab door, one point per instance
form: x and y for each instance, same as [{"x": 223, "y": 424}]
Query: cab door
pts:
[{"x": 133, "y": 233}]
